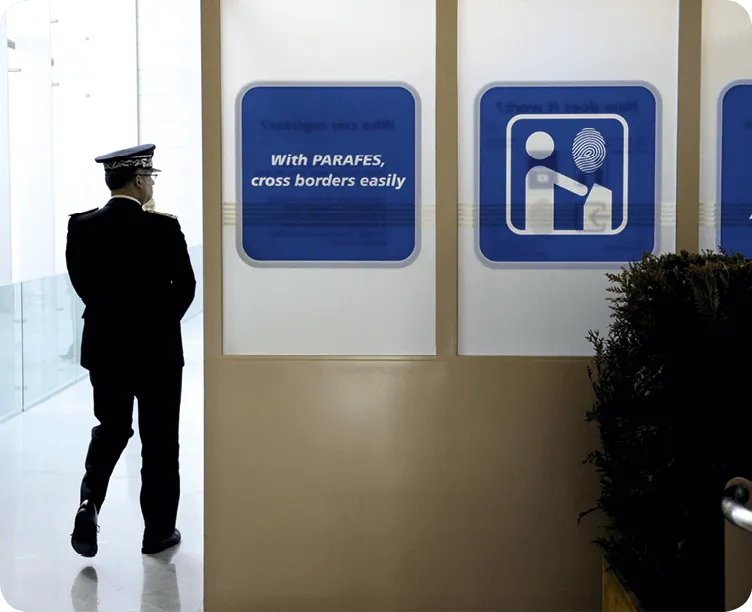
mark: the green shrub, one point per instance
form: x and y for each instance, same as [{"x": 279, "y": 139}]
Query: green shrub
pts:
[{"x": 671, "y": 403}]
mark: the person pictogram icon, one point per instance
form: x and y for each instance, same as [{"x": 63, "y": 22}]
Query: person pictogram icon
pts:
[{"x": 541, "y": 182}]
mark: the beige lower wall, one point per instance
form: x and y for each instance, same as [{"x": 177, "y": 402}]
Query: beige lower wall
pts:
[{"x": 395, "y": 486}]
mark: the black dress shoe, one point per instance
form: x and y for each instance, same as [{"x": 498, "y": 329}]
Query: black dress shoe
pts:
[
  {"x": 153, "y": 547},
  {"x": 85, "y": 530}
]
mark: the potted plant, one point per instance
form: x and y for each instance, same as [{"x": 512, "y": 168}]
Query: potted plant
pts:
[{"x": 670, "y": 381}]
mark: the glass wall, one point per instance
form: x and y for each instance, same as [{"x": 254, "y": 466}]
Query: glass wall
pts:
[
  {"x": 568, "y": 116},
  {"x": 40, "y": 334},
  {"x": 11, "y": 379},
  {"x": 50, "y": 337}
]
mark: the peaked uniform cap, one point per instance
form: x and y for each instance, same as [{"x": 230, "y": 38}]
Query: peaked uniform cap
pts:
[{"x": 135, "y": 157}]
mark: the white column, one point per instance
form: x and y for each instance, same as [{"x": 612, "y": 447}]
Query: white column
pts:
[
  {"x": 170, "y": 105},
  {"x": 30, "y": 102},
  {"x": 5, "y": 244}
]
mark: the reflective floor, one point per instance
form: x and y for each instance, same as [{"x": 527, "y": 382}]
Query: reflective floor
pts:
[{"x": 42, "y": 454}]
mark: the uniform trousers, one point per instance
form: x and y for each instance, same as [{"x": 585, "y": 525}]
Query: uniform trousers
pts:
[{"x": 158, "y": 392}]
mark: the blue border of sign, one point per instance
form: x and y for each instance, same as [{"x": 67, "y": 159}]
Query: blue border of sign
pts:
[
  {"x": 327, "y": 264},
  {"x": 476, "y": 178},
  {"x": 718, "y": 216}
]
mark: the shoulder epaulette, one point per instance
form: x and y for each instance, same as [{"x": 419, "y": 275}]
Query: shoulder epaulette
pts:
[
  {"x": 163, "y": 214},
  {"x": 86, "y": 212}
]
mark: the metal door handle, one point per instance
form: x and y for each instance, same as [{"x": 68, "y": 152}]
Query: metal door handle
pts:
[{"x": 734, "y": 503}]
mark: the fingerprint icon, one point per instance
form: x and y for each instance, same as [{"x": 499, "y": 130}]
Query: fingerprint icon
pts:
[{"x": 589, "y": 150}]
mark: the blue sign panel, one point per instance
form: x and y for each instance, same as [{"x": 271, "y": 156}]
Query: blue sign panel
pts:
[
  {"x": 328, "y": 174},
  {"x": 567, "y": 173},
  {"x": 735, "y": 177}
]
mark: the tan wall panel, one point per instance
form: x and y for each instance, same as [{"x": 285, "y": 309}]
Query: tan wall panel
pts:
[
  {"x": 391, "y": 486},
  {"x": 688, "y": 128}
]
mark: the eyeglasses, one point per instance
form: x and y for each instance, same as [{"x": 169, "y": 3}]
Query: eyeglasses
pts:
[{"x": 153, "y": 177}]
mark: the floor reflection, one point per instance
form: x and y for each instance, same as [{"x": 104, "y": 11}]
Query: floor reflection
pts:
[
  {"x": 159, "y": 593},
  {"x": 85, "y": 591}
]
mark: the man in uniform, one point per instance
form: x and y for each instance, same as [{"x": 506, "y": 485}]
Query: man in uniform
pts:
[{"x": 130, "y": 267}]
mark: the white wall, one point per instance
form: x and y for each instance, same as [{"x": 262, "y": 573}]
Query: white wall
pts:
[
  {"x": 330, "y": 311},
  {"x": 548, "y": 312},
  {"x": 169, "y": 80}
]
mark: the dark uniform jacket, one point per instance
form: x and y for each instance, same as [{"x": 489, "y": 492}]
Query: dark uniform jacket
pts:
[{"x": 132, "y": 271}]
